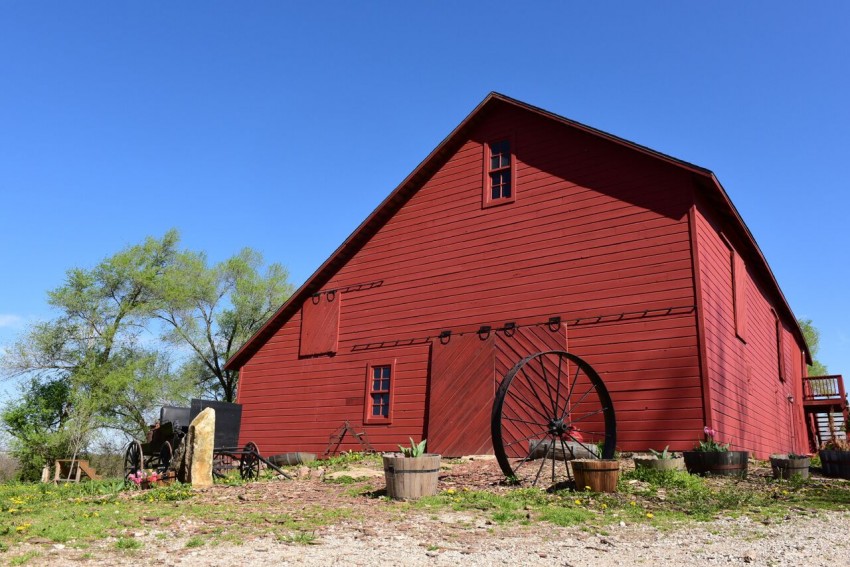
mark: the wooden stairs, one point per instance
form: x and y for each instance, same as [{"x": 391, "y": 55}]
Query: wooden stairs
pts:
[{"x": 825, "y": 404}]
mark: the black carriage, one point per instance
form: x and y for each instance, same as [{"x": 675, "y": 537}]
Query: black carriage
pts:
[{"x": 173, "y": 425}]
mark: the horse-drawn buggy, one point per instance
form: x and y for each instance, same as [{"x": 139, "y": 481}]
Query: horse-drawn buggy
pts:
[{"x": 170, "y": 430}]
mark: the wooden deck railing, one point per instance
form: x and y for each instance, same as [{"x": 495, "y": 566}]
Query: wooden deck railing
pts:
[{"x": 823, "y": 388}]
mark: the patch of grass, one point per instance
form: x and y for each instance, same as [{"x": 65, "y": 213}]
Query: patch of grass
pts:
[
  {"x": 128, "y": 543},
  {"x": 566, "y": 516},
  {"x": 169, "y": 493},
  {"x": 345, "y": 460},
  {"x": 75, "y": 511},
  {"x": 195, "y": 541},
  {"x": 344, "y": 479},
  {"x": 25, "y": 558},
  {"x": 298, "y": 538}
]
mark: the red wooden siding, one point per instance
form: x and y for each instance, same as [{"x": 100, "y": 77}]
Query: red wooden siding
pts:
[
  {"x": 598, "y": 234},
  {"x": 750, "y": 404},
  {"x": 461, "y": 395},
  {"x": 320, "y": 324}
]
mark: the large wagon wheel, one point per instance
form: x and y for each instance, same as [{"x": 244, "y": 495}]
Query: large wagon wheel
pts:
[
  {"x": 249, "y": 462},
  {"x": 550, "y": 408},
  {"x": 133, "y": 459},
  {"x": 165, "y": 455}
]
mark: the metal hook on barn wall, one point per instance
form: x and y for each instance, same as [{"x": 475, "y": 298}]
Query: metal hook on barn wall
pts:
[
  {"x": 509, "y": 329},
  {"x": 554, "y": 323},
  {"x": 331, "y": 295},
  {"x": 316, "y": 298},
  {"x": 483, "y": 332},
  {"x": 445, "y": 337}
]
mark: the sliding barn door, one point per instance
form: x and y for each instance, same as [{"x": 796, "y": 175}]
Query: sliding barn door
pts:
[
  {"x": 461, "y": 393},
  {"x": 465, "y": 373}
]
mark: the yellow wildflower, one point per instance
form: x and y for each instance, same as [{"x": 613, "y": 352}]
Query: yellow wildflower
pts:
[
  {"x": 578, "y": 501},
  {"x": 450, "y": 491},
  {"x": 649, "y": 515}
]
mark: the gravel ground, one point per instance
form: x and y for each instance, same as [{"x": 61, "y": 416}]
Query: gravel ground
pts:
[
  {"x": 804, "y": 541},
  {"x": 390, "y": 536}
]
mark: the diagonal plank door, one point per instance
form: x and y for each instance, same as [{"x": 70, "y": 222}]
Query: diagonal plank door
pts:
[{"x": 461, "y": 392}]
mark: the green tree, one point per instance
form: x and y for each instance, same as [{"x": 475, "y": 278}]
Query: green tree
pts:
[
  {"x": 94, "y": 355},
  {"x": 812, "y": 336},
  {"x": 100, "y": 363},
  {"x": 214, "y": 309},
  {"x": 35, "y": 424}
]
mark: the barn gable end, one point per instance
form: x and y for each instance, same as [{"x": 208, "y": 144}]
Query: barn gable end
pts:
[{"x": 597, "y": 232}]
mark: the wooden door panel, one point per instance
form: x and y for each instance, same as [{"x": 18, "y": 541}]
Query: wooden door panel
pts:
[
  {"x": 461, "y": 396},
  {"x": 465, "y": 373}
]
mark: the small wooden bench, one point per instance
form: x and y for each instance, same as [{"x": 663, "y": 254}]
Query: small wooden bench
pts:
[{"x": 73, "y": 470}]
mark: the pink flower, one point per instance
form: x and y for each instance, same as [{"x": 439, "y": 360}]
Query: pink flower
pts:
[{"x": 709, "y": 431}]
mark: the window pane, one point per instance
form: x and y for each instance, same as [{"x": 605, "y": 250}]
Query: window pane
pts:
[
  {"x": 376, "y": 385},
  {"x": 495, "y": 162},
  {"x": 506, "y": 160},
  {"x": 386, "y": 372},
  {"x": 376, "y": 372},
  {"x": 506, "y": 189},
  {"x": 495, "y": 193}
]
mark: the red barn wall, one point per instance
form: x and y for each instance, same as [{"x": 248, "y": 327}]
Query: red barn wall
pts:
[
  {"x": 597, "y": 231},
  {"x": 749, "y": 403}
]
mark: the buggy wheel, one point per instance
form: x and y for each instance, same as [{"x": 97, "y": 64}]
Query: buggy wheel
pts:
[
  {"x": 165, "y": 455},
  {"x": 249, "y": 462},
  {"x": 550, "y": 408},
  {"x": 133, "y": 459}
]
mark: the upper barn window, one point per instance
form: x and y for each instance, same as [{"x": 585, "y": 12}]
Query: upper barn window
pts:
[{"x": 499, "y": 172}]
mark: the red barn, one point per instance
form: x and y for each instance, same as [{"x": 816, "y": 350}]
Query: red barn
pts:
[{"x": 555, "y": 236}]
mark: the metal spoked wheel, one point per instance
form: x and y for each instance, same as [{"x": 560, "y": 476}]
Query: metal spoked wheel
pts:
[
  {"x": 249, "y": 462},
  {"x": 132, "y": 459},
  {"x": 552, "y": 407}
]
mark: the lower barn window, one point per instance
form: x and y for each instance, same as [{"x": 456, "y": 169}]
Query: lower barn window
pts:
[{"x": 379, "y": 393}]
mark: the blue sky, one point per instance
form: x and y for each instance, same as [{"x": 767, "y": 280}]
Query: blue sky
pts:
[{"x": 280, "y": 126}]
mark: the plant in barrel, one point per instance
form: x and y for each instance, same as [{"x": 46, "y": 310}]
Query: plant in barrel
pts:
[
  {"x": 551, "y": 408},
  {"x": 711, "y": 457},
  {"x": 412, "y": 473}
]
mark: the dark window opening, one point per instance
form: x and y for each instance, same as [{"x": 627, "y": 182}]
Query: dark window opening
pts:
[
  {"x": 499, "y": 173},
  {"x": 379, "y": 392},
  {"x": 500, "y": 184},
  {"x": 780, "y": 347}
]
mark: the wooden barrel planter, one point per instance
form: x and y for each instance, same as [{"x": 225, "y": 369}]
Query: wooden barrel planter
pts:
[
  {"x": 409, "y": 478},
  {"x": 835, "y": 464},
  {"x": 719, "y": 463},
  {"x": 597, "y": 475},
  {"x": 288, "y": 459},
  {"x": 654, "y": 463},
  {"x": 786, "y": 468}
]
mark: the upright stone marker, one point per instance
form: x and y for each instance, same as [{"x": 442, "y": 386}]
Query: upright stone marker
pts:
[{"x": 200, "y": 448}]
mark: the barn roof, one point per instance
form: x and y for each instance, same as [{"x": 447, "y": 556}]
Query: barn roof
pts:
[{"x": 706, "y": 179}]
